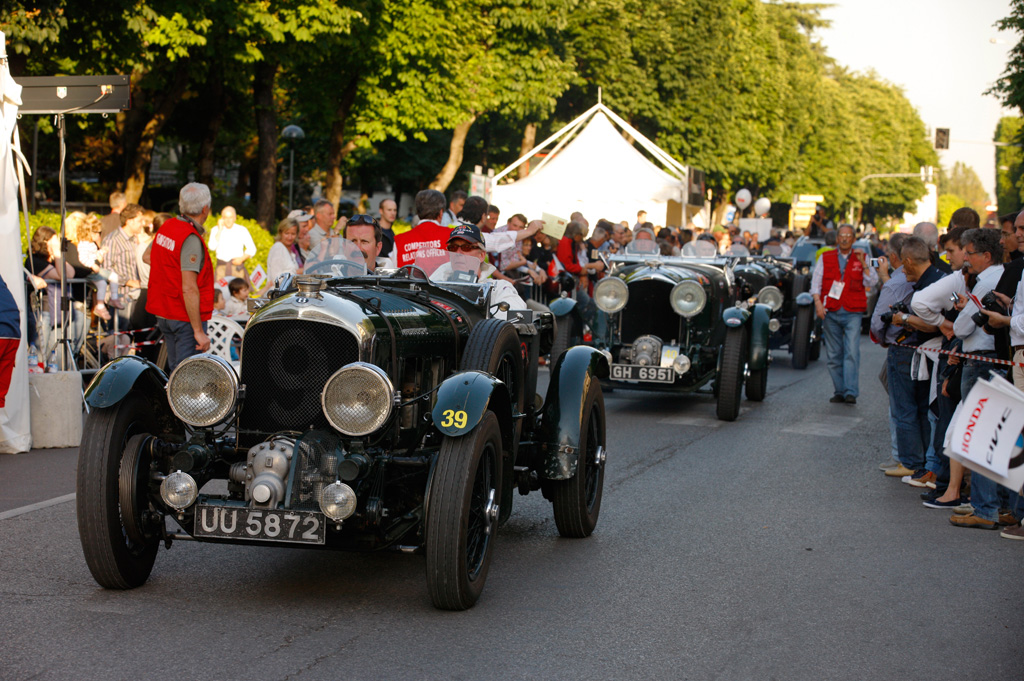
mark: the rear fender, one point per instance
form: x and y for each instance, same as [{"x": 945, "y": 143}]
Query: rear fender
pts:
[
  {"x": 759, "y": 334},
  {"x": 560, "y": 418},
  {"x": 118, "y": 378}
]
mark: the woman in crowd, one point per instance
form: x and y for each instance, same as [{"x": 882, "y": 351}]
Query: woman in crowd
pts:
[
  {"x": 284, "y": 256},
  {"x": 43, "y": 260}
]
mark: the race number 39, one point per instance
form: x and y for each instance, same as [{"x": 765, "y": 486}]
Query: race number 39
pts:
[{"x": 450, "y": 418}]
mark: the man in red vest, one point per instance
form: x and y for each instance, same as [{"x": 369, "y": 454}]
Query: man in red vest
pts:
[
  {"x": 181, "y": 277},
  {"x": 839, "y": 286},
  {"x": 426, "y": 243}
]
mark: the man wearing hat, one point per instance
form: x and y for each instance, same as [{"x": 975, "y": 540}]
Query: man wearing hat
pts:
[{"x": 467, "y": 240}]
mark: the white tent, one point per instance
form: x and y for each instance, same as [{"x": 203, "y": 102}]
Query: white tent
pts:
[
  {"x": 15, "y": 428},
  {"x": 594, "y": 170}
]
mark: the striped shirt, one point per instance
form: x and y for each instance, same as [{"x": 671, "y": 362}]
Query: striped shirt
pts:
[{"x": 121, "y": 257}]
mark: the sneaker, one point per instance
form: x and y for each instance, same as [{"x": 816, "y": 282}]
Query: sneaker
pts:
[
  {"x": 888, "y": 465},
  {"x": 922, "y": 478},
  {"x": 971, "y": 520},
  {"x": 837, "y": 399},
  {"x": 115, "y": 303},
  {"x": 100, "y": 310},
  {"x": 935, "y": 503},
  {"x": 850, "y": 399},
  {"x": 964, "y": 508},
  {"x": 898, "y": 472},
  {"x": 1012, "y": 533}
]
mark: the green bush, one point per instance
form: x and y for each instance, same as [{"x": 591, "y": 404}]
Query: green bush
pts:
[{"x": 262, "y": 238}]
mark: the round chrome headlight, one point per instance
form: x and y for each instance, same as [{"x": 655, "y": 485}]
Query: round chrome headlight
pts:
[
  {"x": 770, "y": 296},
  {"x": 179, "y": 490},
  {"x": 774, "y": 325},
  {"x": 688, "y": 298},
  {"x": 203, "y": 390},
  {"x": 611, "y": 294},
  {"x": 337, "y": 501},
  {"x": 358, "y": 399},
  {"x": 681, "y": 364}
]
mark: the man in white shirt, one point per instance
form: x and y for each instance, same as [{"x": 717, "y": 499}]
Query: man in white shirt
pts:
[
  {"x": 323, "y": 217},
  {"x": 984, "y": 254},
  {"x": 233, "y": 245}
]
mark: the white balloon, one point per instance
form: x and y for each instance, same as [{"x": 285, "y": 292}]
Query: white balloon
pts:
[
  {"x": 762, "y": 206},
  {"x": 743, "y": 198}
]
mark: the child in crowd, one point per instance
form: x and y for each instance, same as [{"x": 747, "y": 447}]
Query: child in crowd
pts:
[
  {"x": 91, "y": 254},
  {"x": 236, "y": 304},
  {"x": 218, "y": 302}
]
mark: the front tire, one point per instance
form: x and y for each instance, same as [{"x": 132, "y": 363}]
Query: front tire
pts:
[
  {"x": 730, "y": 376},
  {"x": 577, "y": 501},
  {"x": 801, "y": 341},
  {"x": 462, "y": 517},
  {"x": 115, "y": 559}
]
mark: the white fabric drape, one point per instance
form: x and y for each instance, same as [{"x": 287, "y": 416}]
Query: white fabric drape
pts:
[{"x": 15, "y": 426}]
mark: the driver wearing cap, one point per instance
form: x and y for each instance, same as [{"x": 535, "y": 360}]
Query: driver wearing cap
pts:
[{"x": 466, "y": 239}]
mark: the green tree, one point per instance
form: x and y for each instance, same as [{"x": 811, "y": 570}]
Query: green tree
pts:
[
  {"x": 1009, "y": 166},
  {"x": 964, "y": 183},
  {"x": 948, "y": 204},
  {"x": 1010, "y": 87}
]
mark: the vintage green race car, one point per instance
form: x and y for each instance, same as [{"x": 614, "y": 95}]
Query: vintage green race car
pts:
[{"x": 371, "y": 412}]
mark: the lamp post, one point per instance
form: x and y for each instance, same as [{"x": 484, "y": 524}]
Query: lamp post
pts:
[{"x": 292, "y": 133}]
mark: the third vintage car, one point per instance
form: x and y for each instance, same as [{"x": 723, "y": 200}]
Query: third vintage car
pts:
[{"x": 675, "y": 324}]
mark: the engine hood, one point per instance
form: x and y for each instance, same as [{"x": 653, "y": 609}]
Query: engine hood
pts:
[{"x": 418, "y": 326}]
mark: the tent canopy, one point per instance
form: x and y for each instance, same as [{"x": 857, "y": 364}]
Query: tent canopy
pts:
[{"x": 598, "y": 173}]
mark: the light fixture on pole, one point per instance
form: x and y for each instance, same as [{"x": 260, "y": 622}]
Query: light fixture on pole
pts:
[{"x": 292, "y": 133}]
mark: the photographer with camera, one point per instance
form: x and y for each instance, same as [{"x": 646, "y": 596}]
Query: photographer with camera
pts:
[
  {"x": 984, "y": 255},
  {"x": 909, "y": 394}
]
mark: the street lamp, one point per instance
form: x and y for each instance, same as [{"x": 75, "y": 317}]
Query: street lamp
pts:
[{"x": 292, "y": 133}]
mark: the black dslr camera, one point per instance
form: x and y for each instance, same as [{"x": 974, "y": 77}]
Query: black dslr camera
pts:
[
  {"x": 991, "y": 303},
  {"x": 898, "y": 306}
]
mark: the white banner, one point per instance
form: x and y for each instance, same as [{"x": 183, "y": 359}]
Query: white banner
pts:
[{"x": 985, "y": 434}]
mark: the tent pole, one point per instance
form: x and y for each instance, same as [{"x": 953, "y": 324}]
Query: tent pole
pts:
[
  {"x": 525, "y": 157},
  {"x": 561, "y": 143},
  {"x": 647, "y": 144}
]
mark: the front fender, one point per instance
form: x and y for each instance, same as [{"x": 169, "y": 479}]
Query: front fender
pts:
[
  {"x": 117, "y": 378},
  {"x": 759, "y": 334},
  {"x": 464, "y": 398},
  {"x": 804, "y": 299},
  {"x": 735, "y": 316},
  {"x": 560, "y": 418},
  {"x": 562, "y": 306}
]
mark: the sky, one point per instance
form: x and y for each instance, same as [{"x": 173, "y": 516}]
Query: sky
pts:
[{"x": 941, "y": 53}]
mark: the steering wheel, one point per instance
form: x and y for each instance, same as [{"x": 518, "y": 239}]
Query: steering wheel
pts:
[{"x": 414, "y": 272}]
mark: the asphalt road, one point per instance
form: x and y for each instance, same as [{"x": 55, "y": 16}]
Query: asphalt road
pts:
[{"x": 768, "y": 548}]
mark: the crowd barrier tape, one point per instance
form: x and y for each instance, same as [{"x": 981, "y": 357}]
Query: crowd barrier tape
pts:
[{"x": 980, "y": 358}]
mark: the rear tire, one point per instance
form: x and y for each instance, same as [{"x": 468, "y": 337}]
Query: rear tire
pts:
[
  {"x": 462, "y": 518},
  {"x": 493, "y": 347},
  {"x": 757, "y": 385},
  {"x": 577, "y": 501},
  {"x": 115, "y": 559},
  {"x": 800, "y": 344},
  {"x": 730, "y": 376},
  {"x": 563, "y": 337}
]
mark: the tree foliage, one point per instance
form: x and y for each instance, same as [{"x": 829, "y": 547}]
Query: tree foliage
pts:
[
  {"x": 408, "y": 92},
  {"x": 1009, "y": 165}
]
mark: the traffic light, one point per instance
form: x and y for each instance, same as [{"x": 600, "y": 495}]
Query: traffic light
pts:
[{"x": 942, "y": 138}]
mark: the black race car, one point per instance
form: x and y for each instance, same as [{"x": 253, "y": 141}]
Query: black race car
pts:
[{"x": 371, "y": 412}]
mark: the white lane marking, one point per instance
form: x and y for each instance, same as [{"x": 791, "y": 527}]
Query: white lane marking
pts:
[
  {"x": 698, "y": 421},
  {"x": 832, "y": 426},
  {"x": 14, "y": 512}
]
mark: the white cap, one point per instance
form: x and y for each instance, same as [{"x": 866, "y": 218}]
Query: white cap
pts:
[{"x": 299, "y": 215}]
